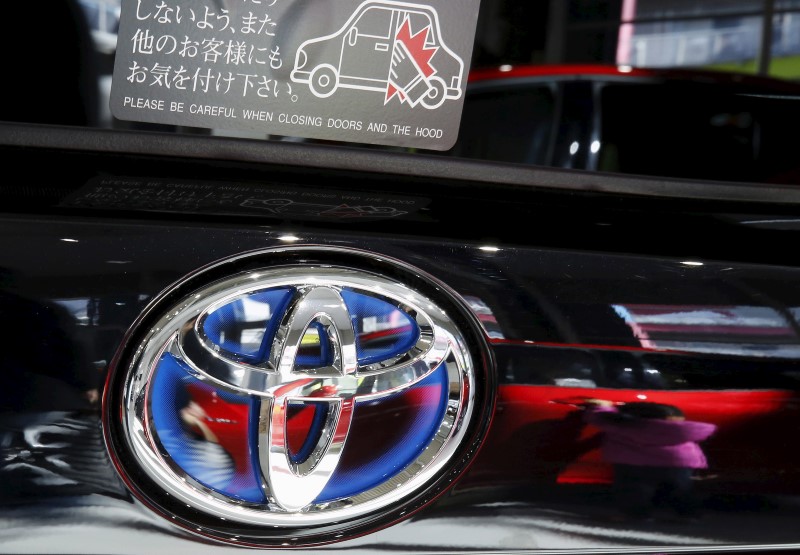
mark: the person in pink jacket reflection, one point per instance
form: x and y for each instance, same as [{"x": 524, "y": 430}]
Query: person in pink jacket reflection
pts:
[{"x": 655, "y": 452}]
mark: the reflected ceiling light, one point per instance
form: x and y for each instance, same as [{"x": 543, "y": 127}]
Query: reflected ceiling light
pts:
[
  {"x": 119, "y": 261},
  {"x": 488, "y": 248},
  {"x": 625, "y": 69},
  {"x": 573, "y": 148},
  {"x": 595, "y": 148},
  {"x": 506, "y": 67},
  {"x": 289, "y": 238},
  {"x": 642, "y": 397},
  {"x": 68, "y": 240},
  {"x": 691, "y": 263}
]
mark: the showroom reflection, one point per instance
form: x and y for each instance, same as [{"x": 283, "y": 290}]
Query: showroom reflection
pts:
[
  {"x": 676, "y": 427},
  {"x": 54, "y": 359},
  {"x": 655, "y": 422}
]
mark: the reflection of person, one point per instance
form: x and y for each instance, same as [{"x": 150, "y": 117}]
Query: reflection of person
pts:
[
  {"x": 45, "y": 367},
  {"x": 201, "y": 455},
  {"x": 654, "y": 451},
  {"x": 195, "y": 417}
]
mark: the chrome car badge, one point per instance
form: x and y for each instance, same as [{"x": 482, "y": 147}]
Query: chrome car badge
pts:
[{"x": 282, "y": 400}]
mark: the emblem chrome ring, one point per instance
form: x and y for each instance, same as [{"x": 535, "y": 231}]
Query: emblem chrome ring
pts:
[{"x": 175, "y": 329}]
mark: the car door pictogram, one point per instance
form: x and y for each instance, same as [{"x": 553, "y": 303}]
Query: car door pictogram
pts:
[
  {"x": 366, "y": 47},
  {"x": 395, "y": 48}
]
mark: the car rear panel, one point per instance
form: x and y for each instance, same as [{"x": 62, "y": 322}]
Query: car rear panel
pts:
[{"x": 583, "y": 290}]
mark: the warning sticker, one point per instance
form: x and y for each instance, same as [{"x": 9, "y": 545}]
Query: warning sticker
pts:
[{"x": 375, "y": 71}]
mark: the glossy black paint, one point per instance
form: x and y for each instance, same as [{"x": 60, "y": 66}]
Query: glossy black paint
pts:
[{"x": 563, "y": 257}]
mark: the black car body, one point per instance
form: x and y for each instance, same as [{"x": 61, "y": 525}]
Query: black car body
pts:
[
  {"x": 545, "y": 292},
  {"x": 565, "y": 290}
]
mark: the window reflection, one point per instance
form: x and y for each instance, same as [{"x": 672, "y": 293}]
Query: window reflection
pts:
[
  {"x": 78, "y": 309},
  {"x": 734, "y": 330},
  {"x": 486, "y": 316}
]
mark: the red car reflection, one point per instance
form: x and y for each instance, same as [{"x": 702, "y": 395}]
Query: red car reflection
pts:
[{"x": 544, "y": 425}]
